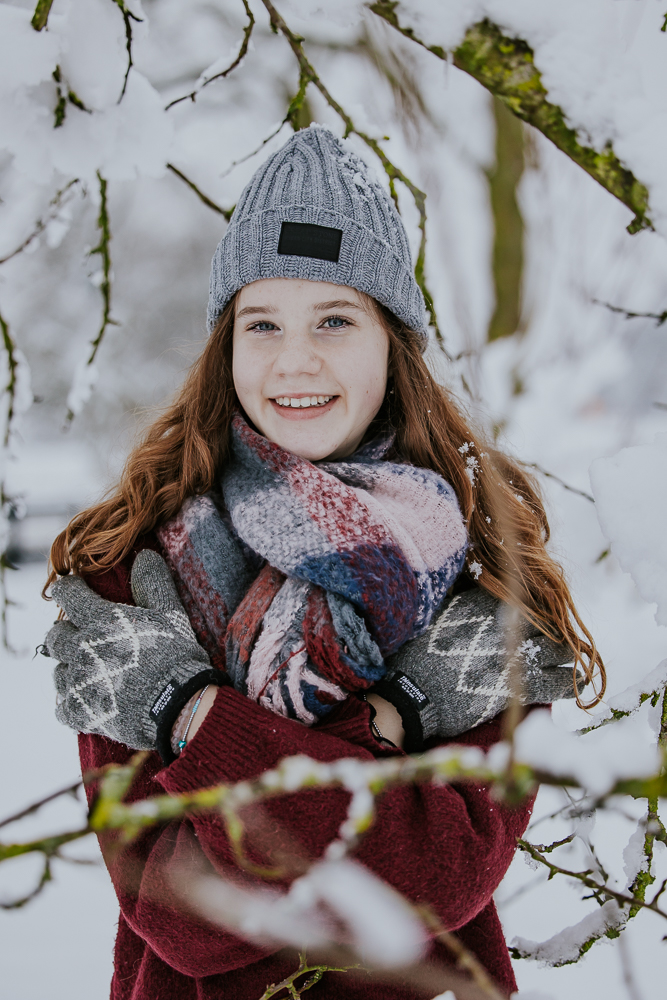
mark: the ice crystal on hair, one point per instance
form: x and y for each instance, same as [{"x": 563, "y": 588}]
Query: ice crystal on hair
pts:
[
  {"x": 475, "y": 569},
  {"x": 472, "y": 465}
]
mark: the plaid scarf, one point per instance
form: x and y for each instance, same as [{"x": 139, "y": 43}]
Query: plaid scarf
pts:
[{"x": 300, "y": 578}]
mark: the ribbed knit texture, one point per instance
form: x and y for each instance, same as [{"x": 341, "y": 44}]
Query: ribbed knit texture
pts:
[
  {"x": 444, "y": 846},
  {"x": 316, "y": 179},
  {"x": 358, "y": 557}
]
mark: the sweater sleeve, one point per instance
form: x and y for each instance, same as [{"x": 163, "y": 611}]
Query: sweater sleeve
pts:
[{"x": 445, "y": 846}]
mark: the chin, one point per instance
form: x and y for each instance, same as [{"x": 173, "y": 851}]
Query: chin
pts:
[
  {"x": 311, "y": 453},
  {"x": 311, "y": 450}
]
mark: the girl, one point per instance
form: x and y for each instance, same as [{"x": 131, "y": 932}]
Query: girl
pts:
[{"x": 331, "y": 528}]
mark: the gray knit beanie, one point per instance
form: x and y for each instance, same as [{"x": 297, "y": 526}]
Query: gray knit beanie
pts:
[{"x": 314, "y": 210}]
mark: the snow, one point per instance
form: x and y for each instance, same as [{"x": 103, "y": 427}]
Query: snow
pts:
[
  {"x": 86, "y": 40},
  {"x": 588, "y": 379},
  {"x": 336, "y": 902},
  {"x": 93, "y": 57},
  {"x": 26, "y": 57},
  {"x": 630, "y": 489},
  {"x": 565, "y": 946},
  {"x": 597, "y": 760},
  {"x": 84, "y": 382},
  {"x": 74, "y": 920}
]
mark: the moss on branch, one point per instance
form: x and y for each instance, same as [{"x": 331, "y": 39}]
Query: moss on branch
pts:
[
  {"x": 506, "y": 67},
  {"x": 41, "y": 15}
]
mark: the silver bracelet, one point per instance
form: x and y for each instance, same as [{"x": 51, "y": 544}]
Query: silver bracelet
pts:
[
  {"x": 374, "y": 726},
  {"x": 184, "y": 739}
]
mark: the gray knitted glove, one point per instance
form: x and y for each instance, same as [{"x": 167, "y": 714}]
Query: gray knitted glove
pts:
[
  {"x": 457, "y": 674},
  {"x": 126, "y": 672}
]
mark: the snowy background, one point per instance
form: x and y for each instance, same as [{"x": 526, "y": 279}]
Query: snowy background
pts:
[{"x": 569, "y": 392}]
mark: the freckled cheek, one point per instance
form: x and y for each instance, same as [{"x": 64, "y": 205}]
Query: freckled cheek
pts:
[{"x": 247, "y": 375}]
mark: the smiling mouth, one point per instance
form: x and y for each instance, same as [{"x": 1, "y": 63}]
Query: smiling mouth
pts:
[{"x": 302, "y": 402}]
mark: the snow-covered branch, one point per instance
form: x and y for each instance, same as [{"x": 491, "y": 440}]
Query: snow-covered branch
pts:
[
  {"x": 214, "y": 72},
  {"x": 598, "y": 771},
  {"x": 128, "y": 18},
  {"x": 56, "y": 204},
  {"x": 86, "y": 375},
  {"x": 506, "y": 67}
]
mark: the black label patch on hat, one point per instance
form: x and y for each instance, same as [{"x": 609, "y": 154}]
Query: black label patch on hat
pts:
[{"x": 301, "y": 239}]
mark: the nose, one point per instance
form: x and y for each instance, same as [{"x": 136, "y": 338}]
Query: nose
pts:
[{"x": 297, "y": 355}]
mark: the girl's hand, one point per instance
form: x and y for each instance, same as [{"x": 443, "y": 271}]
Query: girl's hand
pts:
[
  {"x": 387, "y": 720},
  {"x": 126, "y": 672},
  {"x": 459, "y": 672}
]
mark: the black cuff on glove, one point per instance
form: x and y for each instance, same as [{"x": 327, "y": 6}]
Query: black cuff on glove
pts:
[
  {"x": 171, "y": 701},
  {"x": 409, "y": 700}
]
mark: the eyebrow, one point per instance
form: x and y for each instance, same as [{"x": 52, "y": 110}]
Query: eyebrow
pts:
[
  {"x": 318, "y": 307},
  {"x": 336, "y": 304},
  {"x": 254, "y": 310}
]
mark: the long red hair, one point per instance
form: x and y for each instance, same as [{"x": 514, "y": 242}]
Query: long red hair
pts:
[{"x": 182, "y": 452}]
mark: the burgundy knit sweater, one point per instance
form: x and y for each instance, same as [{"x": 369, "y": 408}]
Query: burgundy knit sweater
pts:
[{"x": 445, "y": 846}]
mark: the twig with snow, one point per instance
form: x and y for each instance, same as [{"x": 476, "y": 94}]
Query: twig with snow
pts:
[
  {"x": 17, "y": 398},
  {"x": 55, "y": 205},
  {"x": 600, "y": 890},
  {"x": 652, "y": 688},
  {"x": 213, "y": 73},
  {"x": 12, "y": 362},
  {"x": 128, "y": 18},
  {"x": 87, "y": 374}
]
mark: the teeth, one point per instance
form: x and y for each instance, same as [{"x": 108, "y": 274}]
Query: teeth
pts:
[{"x": 303, "y": 401}]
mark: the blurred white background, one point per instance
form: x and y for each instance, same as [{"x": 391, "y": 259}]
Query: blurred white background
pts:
[{"x": 571, "y": 383}]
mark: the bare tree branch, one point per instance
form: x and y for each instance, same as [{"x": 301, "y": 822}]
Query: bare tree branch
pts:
[
  {"x": 29, "y": 810},
  {"x": 561, "y": 482},
  {"x": 225, "y": 212},
  {"x": 659, "y": 318}
]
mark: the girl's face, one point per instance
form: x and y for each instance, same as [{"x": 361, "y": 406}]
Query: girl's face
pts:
[{"x": 309, "y": 364}]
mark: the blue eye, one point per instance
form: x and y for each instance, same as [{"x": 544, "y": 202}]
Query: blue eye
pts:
[
  {"x": 336, "y": 322},
  {"x": 263, "y": 326}
]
